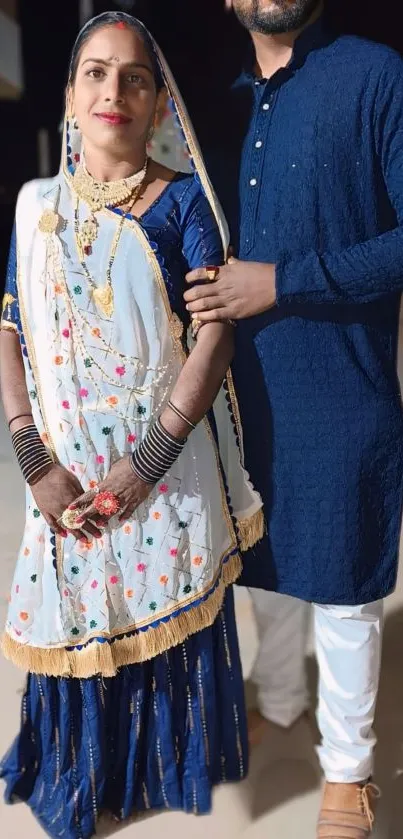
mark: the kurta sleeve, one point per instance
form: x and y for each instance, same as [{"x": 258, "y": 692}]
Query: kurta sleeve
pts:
[
  {"x": 10, "y": 315},
  {"x": 202, "y": 243},
  {"x": 374, "y": 268}
]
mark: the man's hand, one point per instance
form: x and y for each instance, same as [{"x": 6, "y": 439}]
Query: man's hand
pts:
[{"x": 242, "y": 289}]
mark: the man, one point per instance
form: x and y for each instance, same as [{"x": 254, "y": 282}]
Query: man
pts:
[{"x": 311, "y": 179}]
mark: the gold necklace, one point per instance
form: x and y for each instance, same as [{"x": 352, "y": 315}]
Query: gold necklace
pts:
[
  {"x": 165, "y": 372},
  {"x": 100, "y": 194},
  {"x": 57, "y": 271},
  {"x": 103, "y": 295}
]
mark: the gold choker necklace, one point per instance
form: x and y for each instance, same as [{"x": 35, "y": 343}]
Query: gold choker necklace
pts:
[{"x": 101, "y": 194}]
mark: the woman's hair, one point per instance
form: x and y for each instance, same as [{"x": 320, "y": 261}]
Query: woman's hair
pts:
[{"x": 113, "y": 19}]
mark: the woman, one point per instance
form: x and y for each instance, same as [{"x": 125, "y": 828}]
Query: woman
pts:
[{"x": 137, "y": 502}]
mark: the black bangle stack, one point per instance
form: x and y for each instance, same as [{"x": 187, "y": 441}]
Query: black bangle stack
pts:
[
  {"x": 32, "y": 455},
  {"x": 156, "y": 454}
]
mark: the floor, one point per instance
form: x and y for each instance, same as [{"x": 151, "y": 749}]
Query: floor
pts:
[{"x": 281, "y": 797}]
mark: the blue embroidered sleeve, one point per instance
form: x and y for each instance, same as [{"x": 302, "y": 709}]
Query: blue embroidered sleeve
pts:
[
  {"x": 374, "y": 268},
  {"x": 202, "y": 243},
  {"x": 10, "y": 315}
]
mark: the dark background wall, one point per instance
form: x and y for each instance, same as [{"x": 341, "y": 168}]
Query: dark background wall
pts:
[{"x": 203, "y": 44}]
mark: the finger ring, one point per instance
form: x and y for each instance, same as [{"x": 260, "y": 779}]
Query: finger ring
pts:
[
  {"x": 196, "y": 324},
  {"x": 107, "y": 504},
  {"x": 69, "y": 519},
  {"x": 212, "y": 272}
]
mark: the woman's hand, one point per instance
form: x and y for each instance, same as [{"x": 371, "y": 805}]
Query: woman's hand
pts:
[
  {"x": 124, "y": 483},
  {"x": 53, "y": 493}
]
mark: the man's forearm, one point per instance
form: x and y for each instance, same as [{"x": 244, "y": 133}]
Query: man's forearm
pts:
[{"x": 359, "y": 274}]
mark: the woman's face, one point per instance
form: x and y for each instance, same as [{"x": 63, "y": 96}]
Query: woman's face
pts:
[{"x": 113, "y": 96}]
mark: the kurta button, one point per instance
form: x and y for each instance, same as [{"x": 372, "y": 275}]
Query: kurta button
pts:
[
  {"x": 253, "y": 181},
  {"x": 266, "y": 106},
  {"x": 259, "y": 144}
]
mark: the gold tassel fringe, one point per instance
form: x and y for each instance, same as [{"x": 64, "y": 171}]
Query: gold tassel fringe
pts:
[
  {"x": 105, "y": 659},
  {"x": 251, "y": 530}
]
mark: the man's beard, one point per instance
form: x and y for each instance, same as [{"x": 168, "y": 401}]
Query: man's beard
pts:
[{"x": 279, "y": 16}]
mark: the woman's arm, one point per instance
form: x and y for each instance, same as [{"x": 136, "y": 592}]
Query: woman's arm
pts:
[
  {"x": 13, "y": 386},
  {"x": 200, "y": 378},
  {"x": 203, "y": 374}
]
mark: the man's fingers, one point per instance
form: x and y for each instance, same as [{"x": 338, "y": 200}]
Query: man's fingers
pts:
[
  {"x": 206, "y": 304},
  {"x": 201, "y": 291},
  {"x": 196, "y": 275},
  {"x": 212, "y": 316}
]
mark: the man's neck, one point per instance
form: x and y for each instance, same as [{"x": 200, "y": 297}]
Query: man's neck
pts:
[{"x": 275, "y": 51}]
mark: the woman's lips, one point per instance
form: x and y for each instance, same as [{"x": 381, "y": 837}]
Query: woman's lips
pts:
[{"x": 113, "y": 119}]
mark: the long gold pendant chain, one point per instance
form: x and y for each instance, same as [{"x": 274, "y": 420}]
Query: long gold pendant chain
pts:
[
  {"x": 102, "y": 295},
  {"x": 165, "y": 371}
]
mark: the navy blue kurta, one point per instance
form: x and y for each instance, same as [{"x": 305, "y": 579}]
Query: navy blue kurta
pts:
[{"x": 313, "y": 181}]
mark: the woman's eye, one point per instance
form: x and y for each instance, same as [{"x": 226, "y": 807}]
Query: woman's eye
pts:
[
  {"x": 96, "y": 73},
  {"x": 134, "y": 79}
]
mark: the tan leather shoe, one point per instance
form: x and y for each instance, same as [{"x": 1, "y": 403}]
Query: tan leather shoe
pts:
[{"x": 347, "y": 811}]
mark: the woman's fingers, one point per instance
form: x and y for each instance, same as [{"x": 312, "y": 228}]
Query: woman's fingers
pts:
[
  {"x": 55, "y": 525},
  {"x": 92, "y": 529},
  {"x": 126, "y": 513},
  {"x": 83, "y": 500},
  {"x": 86, "y": 513}
]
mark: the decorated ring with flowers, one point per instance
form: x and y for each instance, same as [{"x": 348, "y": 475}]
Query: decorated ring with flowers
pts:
[
  {"x": 107, "y": 504},
  {"x": 69, "y": 519}
]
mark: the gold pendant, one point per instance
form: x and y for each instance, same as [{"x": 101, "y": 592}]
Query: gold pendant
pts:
[
  {"x": 104, "y": 300},
  {"x": 89, "y": 232},
  {"x": 49, "y": 221}
]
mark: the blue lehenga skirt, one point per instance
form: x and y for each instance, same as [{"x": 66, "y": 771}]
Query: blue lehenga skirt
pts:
[{"x": 158, "y": 735}]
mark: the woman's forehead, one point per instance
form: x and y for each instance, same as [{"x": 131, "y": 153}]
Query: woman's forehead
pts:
[{"x": 113, "y": 44}]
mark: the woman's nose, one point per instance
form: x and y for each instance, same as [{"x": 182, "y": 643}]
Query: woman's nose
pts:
[{"x": 114, "y": 90}]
